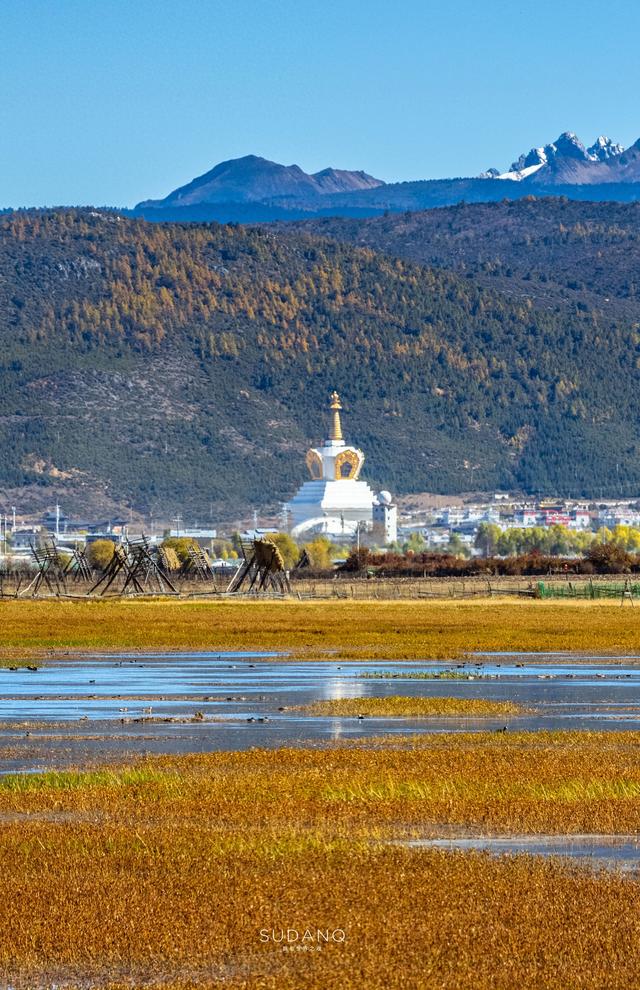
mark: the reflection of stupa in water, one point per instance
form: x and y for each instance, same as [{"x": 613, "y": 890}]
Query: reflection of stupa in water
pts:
[{"x": 335, "y": 501}]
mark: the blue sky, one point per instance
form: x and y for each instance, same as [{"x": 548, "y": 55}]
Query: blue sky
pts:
[{"x": 113, "y": 101}]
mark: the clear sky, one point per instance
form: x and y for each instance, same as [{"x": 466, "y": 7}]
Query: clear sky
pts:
[{"x": 114, "y": 101}]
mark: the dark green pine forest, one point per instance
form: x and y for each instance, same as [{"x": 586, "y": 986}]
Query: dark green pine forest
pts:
[{"x": 174, "y": 367}]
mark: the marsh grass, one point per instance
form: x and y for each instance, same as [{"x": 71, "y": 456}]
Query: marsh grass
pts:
[
  {"x": 357, "y": 630},
  {"x": 71, "y": 780},
  {"x": 164, "y": 872},
  {"x": 412, "y": 707}
]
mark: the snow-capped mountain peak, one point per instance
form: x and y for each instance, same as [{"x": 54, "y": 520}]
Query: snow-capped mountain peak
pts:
[
  {"x": 603, "y": 149},
  {"x": 567, "y": 148},
  {"x": 535, "y": 157}
]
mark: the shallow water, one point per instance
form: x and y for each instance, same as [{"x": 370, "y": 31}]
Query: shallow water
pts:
[
  {"x": 240, "y": 685},
  {"x": 106, "y": 702},
  {"x": 608, "y": 851}
]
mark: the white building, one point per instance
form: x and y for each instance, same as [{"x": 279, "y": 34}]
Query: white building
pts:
[
  {"x": 452, "y": 516},
  {"x": 437, "y": 538},
  {"x": 581, "y": 519},
  {"x": 334, "y": 502},
  {"x": 385, "y": 517},
  {"x": 492, "y": 516},
  {"x": 525, "y": 517}
]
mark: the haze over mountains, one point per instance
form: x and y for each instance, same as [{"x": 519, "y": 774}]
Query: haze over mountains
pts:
[{"x": 253, "y": 189}]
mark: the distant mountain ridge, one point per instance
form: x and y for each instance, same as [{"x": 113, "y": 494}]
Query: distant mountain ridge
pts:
[
  {"x": 254, "y": 179},
  {"x": 253, "y": 189}
]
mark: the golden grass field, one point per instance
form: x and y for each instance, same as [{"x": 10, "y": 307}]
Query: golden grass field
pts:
[
  {"x": 362, "y": 629},
  {"x": 411, "y": 707},
  {"x": 164, "y": 873}
]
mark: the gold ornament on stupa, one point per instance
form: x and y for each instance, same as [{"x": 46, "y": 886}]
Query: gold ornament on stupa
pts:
[
  {"x": 336, "y": 426},
  {"x": 336, "y": 460},
  {"x": 314, "y": 464}
]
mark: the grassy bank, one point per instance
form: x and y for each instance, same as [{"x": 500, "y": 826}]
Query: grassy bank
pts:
[
  {"x": 370, "y": 629},
  {"x": 168, "y": 871}
]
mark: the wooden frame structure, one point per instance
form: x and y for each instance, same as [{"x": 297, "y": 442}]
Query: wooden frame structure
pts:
[
  {"x": 51, "y": 569},
  {"x": 262, "y": 570},
  {"x": 78, "y": 567},
  {"x": 135, "y": 564},
  {"x": 197, "y": 566},
  {"x": 303, "y": 561}
]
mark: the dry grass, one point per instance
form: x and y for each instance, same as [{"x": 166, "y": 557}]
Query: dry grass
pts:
[
  {"x": 411, "y": 707},
  {"x": 168, "y": 870},
  {"x": 370, "y": 629}
]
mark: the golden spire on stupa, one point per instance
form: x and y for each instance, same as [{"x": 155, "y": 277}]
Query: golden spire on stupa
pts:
[{"x": 336, "y": 425}]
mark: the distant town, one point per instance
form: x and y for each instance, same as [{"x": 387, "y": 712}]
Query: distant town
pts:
[
  {"x": 499, "y": 524},
  {"x": 334, "y": 514},
  {"x": 506, "y": 525}
]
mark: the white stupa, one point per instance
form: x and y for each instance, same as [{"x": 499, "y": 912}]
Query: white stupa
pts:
[{"x": 334, "y": 501}]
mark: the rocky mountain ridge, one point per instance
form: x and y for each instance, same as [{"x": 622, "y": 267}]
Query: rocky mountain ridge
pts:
[
  {"x": 252, "y": 189},
  {"x": 567, "y": 161}
]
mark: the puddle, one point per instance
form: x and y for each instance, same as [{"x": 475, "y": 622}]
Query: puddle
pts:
[{"x": 604, "y": 851}]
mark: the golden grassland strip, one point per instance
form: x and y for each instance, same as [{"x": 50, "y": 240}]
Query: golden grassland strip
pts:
[
  {"x": 539, "y": 782},
  {"x": 168, "y": 870},
  {"x": 359, "y": 630},
  {"x": 411, "y": 707}
]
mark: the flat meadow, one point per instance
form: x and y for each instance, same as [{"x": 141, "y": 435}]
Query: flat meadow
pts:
[
  {"x": 347, "y": 629},
  {"x": 185, "y": 872}
]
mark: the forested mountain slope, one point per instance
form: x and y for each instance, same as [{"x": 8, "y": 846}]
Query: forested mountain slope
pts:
[
  {"x": 186, "y": 368},
  {"x": 551, "y": 250}
]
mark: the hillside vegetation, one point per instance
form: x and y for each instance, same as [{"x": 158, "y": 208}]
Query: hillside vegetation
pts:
[
  {"x": 550, "y": 250},
  {"x": 187, "y": 367}
]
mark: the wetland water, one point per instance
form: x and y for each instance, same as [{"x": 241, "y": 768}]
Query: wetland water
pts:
[
  {"x": 619, "y": 852},
  {"x": 99, "y": 706}
]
